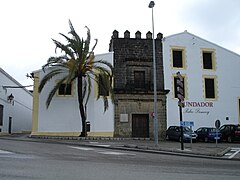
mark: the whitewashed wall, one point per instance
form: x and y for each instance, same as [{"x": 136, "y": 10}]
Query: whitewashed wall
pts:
[
  {"x": 21, "y": 107},
  {"x": 101, "y": 121},
  {"x": 63, "y": 113},
  {"x": 227, "y": 75}
]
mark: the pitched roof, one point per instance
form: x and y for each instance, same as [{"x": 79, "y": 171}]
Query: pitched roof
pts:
[
  {"x": 14, "y": 80},
  {"x": 190, "y": 34}
]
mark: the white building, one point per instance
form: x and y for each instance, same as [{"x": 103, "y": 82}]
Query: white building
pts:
[
  {"x": 62, "y": 118},
  {"x": 211, "y": 80},
  {"x": 15, "y": 105}
]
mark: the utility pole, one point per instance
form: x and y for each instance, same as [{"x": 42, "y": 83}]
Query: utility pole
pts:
[{"x": 151, "y": 5}]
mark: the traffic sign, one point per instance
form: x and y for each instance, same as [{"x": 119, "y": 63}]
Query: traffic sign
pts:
[
  {"x": 180, "y": 87},
  {"x": 179, "y": 83},
  {"x": 186, "y": 123}
]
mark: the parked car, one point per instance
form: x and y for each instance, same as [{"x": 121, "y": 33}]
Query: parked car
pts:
[
  {"x": 230, "y": 132},
  {"x": 174, "y": 133},
  {"x": 207, "y": 134}
]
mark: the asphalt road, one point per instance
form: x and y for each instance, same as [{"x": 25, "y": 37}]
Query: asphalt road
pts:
[{"x": 36, "y": 160}]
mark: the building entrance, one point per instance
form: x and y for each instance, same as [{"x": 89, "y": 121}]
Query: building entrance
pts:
[{"x": 140, "y": 125}]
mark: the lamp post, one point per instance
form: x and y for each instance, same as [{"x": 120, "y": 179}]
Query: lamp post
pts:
[{"x": 151, "y": 5}]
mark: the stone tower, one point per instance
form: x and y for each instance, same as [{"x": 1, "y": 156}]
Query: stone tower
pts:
[{"x": 133, "y": 85}]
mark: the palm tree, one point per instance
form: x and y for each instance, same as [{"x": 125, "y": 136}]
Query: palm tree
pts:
[{"x": 77, "y": 63}]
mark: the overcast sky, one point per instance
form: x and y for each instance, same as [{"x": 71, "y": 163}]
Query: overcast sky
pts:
[{"x": 27, "y": 26}]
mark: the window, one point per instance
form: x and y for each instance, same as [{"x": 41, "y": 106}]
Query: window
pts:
[
  {"x": 103, "y": 86},
  {"x": 178, "y": 57},
  {"x": 139, "y": 79},
  {"x": 175, "y": 87},
  {"x": 208, "y": 59},
  {"x": 210, "y": 88},
  {"x": 65, "y": 89}
]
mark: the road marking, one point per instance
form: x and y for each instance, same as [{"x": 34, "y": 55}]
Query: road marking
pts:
[
  {"x": 5, "y": 152},
  {"x": 103, "y": 145},
  {"x": 232, "y": 153},
  {"x": 115, "y": 153},
  {"x": 102, "y": 152},
  {"x": 8, "y": 154},
  {"x": 99, "y": 145},
  {"x": 81, "y": 148}
]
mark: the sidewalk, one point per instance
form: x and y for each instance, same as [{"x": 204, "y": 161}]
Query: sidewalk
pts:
[{"x": 198, "y": 149}]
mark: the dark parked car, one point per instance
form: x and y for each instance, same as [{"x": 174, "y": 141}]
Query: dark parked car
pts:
[
  {"x": 230, "y": 132},
  {"x": 174, "y": 133},
  {"x": 207, "y": 134}
]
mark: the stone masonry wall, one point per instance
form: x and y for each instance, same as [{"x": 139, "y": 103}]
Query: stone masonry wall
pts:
[{"x": 136, "y": 54}]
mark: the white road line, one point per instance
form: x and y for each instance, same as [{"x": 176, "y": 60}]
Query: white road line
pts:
[
  {"x": 103, "y": 145},
  {"x": 234, "y": 154},
  {"x": 93, "y": 142},
  {"x": 81, "y": 148},
  {"x": 115, "y": 153},
  {"x": 5, "y": 152},
  {"x": 102, "y": 152},
  {"x": 100, "y": 145}
]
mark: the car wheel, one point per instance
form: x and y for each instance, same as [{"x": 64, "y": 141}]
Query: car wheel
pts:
[
  {"x": 229, "y": 139},
  {"x": 206, "y": 139}
]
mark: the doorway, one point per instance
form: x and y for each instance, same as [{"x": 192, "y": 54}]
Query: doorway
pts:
[
  {"x": 10, "y": 125},
  {"x": 140, "y": 125}
]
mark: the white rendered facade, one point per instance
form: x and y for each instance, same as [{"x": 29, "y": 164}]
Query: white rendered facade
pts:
[
  {"x": 203, "y": 106},
  {"x": 62, "y": 118},
  {"x": 15, "y": 114}
]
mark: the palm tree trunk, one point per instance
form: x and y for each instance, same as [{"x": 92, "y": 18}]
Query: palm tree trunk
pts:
[{"x": 81, "y": 107}]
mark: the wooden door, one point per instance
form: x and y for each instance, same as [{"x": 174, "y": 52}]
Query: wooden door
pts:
[{"x": 140, "y": 125}]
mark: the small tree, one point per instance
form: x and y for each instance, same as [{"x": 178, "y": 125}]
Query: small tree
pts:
[{"x": 77, "y": 63}]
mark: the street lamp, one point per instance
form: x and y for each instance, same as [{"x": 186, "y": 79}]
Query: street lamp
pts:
[
  {"x": 10, "y": 98},
  {"x": 151, "y": 5}
]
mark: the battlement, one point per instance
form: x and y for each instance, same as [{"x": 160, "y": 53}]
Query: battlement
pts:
[{"x": 115, "y": 35}]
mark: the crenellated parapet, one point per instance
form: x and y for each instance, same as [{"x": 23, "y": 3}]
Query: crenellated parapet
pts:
[{"x": 115, "y": 35}]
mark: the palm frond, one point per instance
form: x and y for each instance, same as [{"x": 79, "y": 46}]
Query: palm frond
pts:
[
  {"x": 73, "y": 32},
  {"x": 64, "y": 48},
  {"x": 48, "y": 77},
  {"x": 96, "y": 41},
  {"x": 53, "y": 61},
  {"x": 54, "y": 90},
  {"x": 102, "y": 62},
  {"x": 105, "y": 102},
  {"x": 87, "y": 41},
  {"x": 78, "y": 45}
]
